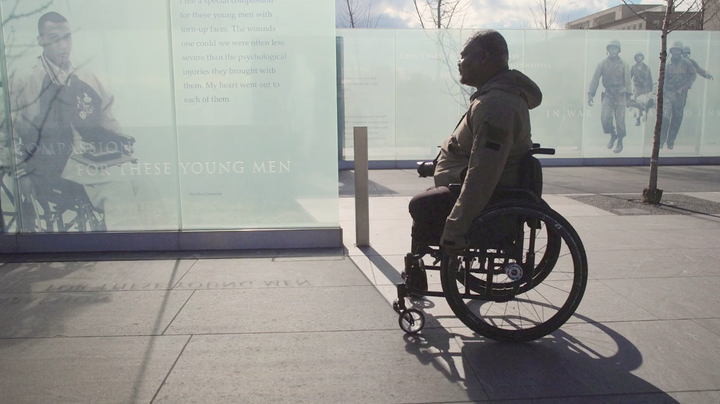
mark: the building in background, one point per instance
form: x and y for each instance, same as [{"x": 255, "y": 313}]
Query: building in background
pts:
[
  {"x": 712, "y": 15},
  {"x": 637, "y": 17}
]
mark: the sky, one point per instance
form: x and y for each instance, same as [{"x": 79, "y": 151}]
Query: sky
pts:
[{"x": 487, "y": 14}]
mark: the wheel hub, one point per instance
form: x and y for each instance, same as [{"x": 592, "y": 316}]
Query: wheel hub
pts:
[{"x": 514, "y": 271}]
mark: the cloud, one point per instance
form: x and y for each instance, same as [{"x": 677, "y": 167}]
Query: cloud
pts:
[{"x": 488, "y": 14}]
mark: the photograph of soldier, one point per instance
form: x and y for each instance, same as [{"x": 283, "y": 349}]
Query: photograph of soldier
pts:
[
  {"x": 62, "y": 115},
  {"x": 699, "y": 70},
  {"x": 680, "y": 75},
  {"x": 615, "y": 75},
  {"x": 642, "y": 98}
]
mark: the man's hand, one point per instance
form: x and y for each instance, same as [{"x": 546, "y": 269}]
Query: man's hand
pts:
[
  {"x": 710, "y": 77},
  {"x": 453, "y": 245},
  {"x": 590, "y": 100}
]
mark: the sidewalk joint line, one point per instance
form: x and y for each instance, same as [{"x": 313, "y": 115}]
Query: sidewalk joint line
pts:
[{"x": 170, "y": 370}]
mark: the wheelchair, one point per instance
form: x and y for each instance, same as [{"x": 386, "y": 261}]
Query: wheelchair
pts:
[
  {"x": 56, "y": 206},
  {"x": 522, "y": 275}
]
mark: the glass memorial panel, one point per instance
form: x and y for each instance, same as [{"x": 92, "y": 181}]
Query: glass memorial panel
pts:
[
  {"x": 690, "y": 134},
  {"x": 708, "y": 57},
  {"x": 368, "y": 87},
  {"x": 430, "y": 100},
  {"x": 554, "y": 60},
  {"x": 256, "y": 113}
]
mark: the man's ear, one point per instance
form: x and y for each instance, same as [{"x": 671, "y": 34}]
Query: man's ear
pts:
[{"x": 40, "y": 40}]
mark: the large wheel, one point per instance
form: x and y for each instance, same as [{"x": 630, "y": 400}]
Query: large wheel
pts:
[{"x": 537, "y": 275}]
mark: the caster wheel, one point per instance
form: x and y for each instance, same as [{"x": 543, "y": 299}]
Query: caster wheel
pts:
[
  {"x": 411, "y": 321},
  {"x": 396, "y": 306}
]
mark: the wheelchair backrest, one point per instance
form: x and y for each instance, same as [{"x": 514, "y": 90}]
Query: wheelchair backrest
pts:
[{"x": 531, "y": 174}]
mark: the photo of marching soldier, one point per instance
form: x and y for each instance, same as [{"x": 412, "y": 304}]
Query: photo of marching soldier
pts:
[
  {"x": 680, "y": 74},
  {"x": 615, "y": 75}
]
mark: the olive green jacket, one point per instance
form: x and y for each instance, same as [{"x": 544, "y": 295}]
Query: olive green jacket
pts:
[{"x": 489, "y": 145}]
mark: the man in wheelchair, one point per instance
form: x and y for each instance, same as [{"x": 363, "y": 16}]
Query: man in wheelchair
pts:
[
  {"x": 485, "y": 151},
  {"x": 68, "y": 144},
  {"x": 511, "y": 268}
]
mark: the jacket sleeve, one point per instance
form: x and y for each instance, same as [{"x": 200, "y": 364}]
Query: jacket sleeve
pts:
[
  {"x": 699, "y": 69},
  {"x": 492, "y": 142},
  {"x": 595, "y": 82}
]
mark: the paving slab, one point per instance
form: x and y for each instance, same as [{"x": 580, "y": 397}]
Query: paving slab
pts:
[
  {"x": 672, "y": 298},
  {"x": 24, "y": 315},
  {"x": 619, "y": 240},
  {"x": 624, "y": 264},
  {"x": 268, "y": 273},
  {"x": 653, "y": 222},
  {"x": 92, "y": 275},
  {"x": 86, "y": 370},
  {"x": 358, "y": 367},
  {"x": 292, "y": 308},
  {"x": 682, "y": 238},
  {"x": 599, "y": 359}
]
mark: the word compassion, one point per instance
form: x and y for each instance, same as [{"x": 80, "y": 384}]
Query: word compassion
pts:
[{"x": 194, "y": 168}]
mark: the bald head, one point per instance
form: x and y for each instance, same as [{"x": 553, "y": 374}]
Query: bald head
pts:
[
  {"x": 485, "y": 54},
  {"x": 491, "y": 42}
]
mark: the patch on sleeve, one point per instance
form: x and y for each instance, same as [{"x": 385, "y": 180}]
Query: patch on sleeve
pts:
[
  {"x": 495, "y": 138},
  {"x": 492, "y": 145}
]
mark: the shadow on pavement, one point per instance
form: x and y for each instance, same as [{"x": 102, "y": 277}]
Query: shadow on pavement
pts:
[{"x": 579, "y": 362}]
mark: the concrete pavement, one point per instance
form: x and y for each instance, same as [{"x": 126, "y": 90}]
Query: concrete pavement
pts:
[{"x": 317, "y": 326}]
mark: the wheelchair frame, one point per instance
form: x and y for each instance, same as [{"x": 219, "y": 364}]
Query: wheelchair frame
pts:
[
  {"x": 493, "y": 259},
  {"x": 87, "y": 217}
]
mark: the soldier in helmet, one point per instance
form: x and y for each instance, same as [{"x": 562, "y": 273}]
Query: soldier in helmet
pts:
[
  {"x": 680, "y": 75},
  {"x": 642, "y": 86},
  {"x": 704, "y": 73},
  {"x": 615, "y": 75}
]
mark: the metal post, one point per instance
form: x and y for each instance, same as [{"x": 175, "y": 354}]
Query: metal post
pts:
[{"x": 362, "y": 205}]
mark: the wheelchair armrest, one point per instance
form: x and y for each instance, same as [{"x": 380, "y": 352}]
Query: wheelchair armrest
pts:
[{"x": 541, "y": 150}]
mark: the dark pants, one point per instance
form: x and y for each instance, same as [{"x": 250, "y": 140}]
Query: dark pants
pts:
[
  {"x": 429, "y": 211},
  {"x": 613, "y": 107},
  {"x": 673, "y": 112}
]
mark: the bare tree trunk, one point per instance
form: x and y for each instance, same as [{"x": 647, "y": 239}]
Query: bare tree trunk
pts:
[
  {"x": 652, "y": 194},
  {"x": 439, "y": 15}
]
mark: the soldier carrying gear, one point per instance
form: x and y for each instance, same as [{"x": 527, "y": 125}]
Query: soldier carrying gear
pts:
[
  {"x": 615, "y": 75},
  {"x": 642, "y": 87}
]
